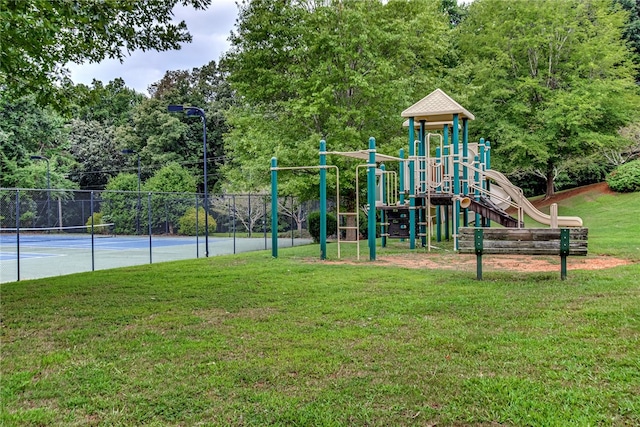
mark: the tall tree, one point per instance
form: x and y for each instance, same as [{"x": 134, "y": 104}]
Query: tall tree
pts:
[
  {"x": 632, "y": 30},
  {"x": 39, "y": 37},
  {"x": 27, "y": 129},
  {"x": 97, "y": 154},
  {"x": 161, "y": 137},
  {"x": 340, "y": 70},
  {"x": 552, "y": 80},
  {"x": 110, "y": 104}
]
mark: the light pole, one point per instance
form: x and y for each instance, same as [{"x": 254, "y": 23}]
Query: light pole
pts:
[
  {"x": 48, "y": 188},
  {"x": 195, "y": 111},
  {"x": 130, "y": 151}
]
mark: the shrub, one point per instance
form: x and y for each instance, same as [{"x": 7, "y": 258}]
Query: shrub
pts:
[
  {"x": 187, "y": 223},
  {"x": 625, "y": 178},
  {"x": 313, "y": 220},
  {"x": 98, "y": 219}
]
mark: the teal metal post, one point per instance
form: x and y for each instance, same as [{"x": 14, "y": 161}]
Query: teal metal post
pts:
[
  {"x": 447, "y": 185},
  {"x": 438, "y": 208},
  {"x": 274, "y": 207},
  {"x": 476, "y": 176},
  {"x": 456, "y": 180},
  {"x": 371, "y": 196},
  {"x": 487, "y": 155},
  {"x": 383, "y": 185},
  {"x": 465, "y": 167},
  {"x": 323, "y": 200},
  {"x": 412, "y": 185},
  {"x": 401, "y": 175},
  {"x": 483, "y": 181},
  {"x": 422, "y": 217},
  {"x": 564, "y": 252}
]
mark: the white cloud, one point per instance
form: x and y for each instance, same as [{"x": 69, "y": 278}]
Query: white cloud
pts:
[{"x": 210, "y": 30}]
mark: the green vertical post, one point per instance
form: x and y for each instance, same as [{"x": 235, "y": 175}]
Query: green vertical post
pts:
[
  {"x": 447, "y": 187},
  {"x": 383, "y": 185},
  {"x": 478, "y": 241},
  {"x": 323, "y": 200},
  {"x": 564, "y": 252},
  {"x": 274, "y": 207},
  {"x": 371, "y": 196},
  {"x": 465, "y": 167},
  {"x": 401, "y": 175},
  {"x": 487, "y": 158},
  {"x": 422, "y": 153},
  {"x": 476, "y": 179},
  {"x": 438, "y": 190},
  {"x": 412, "y": 185},
  {"x": 456, "y": 180}
]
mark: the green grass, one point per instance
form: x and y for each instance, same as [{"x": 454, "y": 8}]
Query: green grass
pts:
[{"x": 251, "y": 340}]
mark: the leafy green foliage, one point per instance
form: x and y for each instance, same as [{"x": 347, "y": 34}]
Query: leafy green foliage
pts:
[
  {"x": 27, "y": 129},
  {"x": 171, "y": 178},
  {"x": 112, "y": 104},
  {"x": 625, "y": 178},
  {"x": 173, "y": 187},
  {"x": 96, "y": 151},
  {"x": 40, "y": 37},
  {"x": 98, "y": 219},
  {"x": 632, "y": 29},
  {"x": 339, "y": 70},
  {"x": 313, "y": 221},
  {"x": 187, "y": 223},
  {"x": 161, "y": 137},
  {"x": 120, "y": 203},
  {"x": 552, "y": 80}
]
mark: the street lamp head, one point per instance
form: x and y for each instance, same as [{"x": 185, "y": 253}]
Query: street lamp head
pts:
[
  {"x": 175, "y": 108},
  {"x": 39, "y": 158},
  {"x": 128, "y": 151},
  {"x": 189, "y": 111},
  {"x": 194, "y": 111}
]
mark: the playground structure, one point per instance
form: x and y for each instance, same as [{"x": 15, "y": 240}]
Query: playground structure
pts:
[{"x": 445, "y": 183}]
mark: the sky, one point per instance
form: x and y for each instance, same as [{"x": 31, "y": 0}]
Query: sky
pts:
[{"x": 209, "y": 29}]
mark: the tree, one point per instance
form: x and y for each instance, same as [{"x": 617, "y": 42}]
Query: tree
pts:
[
  {"x": 161, "y": 137},
  {"x": 170, "y": 200},
  {"x": 27, "y": 129},
  {"x": 340, "y": 70},
  {"x": 551, "y": 80},
  {"x": 98, "y": 157},
  {"x": 39, "y": 37},
  {"x": 120, "y": 203},
  {"x": 112, "y": 104},
  {"x": 632, "y": 29}
]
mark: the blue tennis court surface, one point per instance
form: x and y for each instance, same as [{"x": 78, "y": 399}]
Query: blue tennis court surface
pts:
[
  {"x": 12, "y": 256},
  {"x": 102, "y": 243},
  {"x": 59, "y": 254}
]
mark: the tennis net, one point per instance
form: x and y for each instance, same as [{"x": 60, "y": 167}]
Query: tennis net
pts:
[{"x": 41, "y": 234}]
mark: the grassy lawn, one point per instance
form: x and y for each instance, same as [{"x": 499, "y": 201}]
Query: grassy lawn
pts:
[{"x": 251, "y": 340}]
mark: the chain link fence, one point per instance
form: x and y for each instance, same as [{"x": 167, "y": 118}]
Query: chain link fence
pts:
[{"x": 54, "y": 232}]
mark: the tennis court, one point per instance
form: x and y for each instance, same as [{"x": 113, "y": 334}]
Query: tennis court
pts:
[{"x": 44, "y": 255}]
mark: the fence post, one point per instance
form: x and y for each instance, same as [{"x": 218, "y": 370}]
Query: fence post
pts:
[
  {"x": 93, "y": 261},
  {"x": 234, "y": 224},
  {"x": 197, "y": 231},
  {"x": 149, "y": 215},
  {"x": 18, "y": 232}
]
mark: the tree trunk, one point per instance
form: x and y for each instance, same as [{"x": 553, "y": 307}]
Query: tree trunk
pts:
[{"x": 550, "y": 182}]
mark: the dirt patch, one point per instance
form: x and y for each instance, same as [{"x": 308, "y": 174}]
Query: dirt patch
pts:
[{"x": 518, "y": 263}]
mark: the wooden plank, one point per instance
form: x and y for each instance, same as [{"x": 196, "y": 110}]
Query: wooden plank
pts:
[{"x": 527, "y": 241}]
